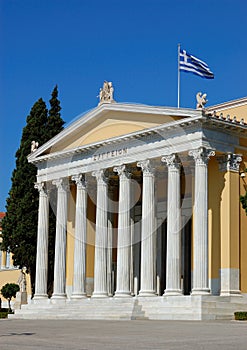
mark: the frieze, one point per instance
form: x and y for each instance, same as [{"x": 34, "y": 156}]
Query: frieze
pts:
[{"x": 110, "y": 154}]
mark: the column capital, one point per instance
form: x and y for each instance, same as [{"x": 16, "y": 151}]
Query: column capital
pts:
[
  {"x": 146, "y": 166},
  {"x": 172, "y": 161},
  {"x": 122, "y": 171},
  {"x": 41, "y": 187},
  {"x": 229, "y": 162},
  {"x": 101, "y": 177},
  {"x": 201, "y": 155},
  {"x": 80, "y": 181},
  {"x": 62, "y": 184}
]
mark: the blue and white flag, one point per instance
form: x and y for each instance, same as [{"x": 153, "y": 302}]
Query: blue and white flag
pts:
[{"x": 190, "y": 64}]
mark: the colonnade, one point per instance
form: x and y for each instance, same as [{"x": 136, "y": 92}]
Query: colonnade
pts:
[{"x": 123, "y": 274}]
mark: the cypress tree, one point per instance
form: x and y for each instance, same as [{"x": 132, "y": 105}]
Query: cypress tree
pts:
[
  {"x": 19, "y": 228},
  {"x": 54, "y": 126}
]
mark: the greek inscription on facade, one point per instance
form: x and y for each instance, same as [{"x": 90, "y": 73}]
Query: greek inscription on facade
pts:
[{"x": 110, "y": 154}]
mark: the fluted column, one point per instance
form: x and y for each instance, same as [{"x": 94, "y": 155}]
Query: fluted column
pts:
[
  {"x": 61, "y": 235},
  {"x": 100, "y": 281},
  {"x": 42, "y": 243},
  {"x": 200, "y": 215},
  {"x": 79, "y": 280},
  {"x": 124, "y": 233},
  {"x": 173, "y": 266},
  {"x": 147, "y": 233}
]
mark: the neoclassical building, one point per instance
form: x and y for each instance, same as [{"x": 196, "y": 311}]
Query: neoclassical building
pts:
[{"x": 149, "y": 222}]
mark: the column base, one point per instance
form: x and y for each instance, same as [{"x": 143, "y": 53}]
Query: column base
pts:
[
  {"x": 40, "y": 297},
  {"x": 78, "y": 296},
  {"x": 99, "y": 295},
  {"x": 122, "y": 294},
  {"x": 59, "y": 297},
  {"x": 201, "y": 291},
  {"x": 230, "y": 293},
  {"x": 172, "y": 292},
  {"x": 147, "y": 293}
]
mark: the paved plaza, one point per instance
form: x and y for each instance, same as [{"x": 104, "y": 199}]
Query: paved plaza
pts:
[{"x": 107, "y": 335}]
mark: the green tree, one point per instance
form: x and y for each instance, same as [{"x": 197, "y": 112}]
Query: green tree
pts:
[
  {"x": 54, "y": 126},
  {"x": 19, "y": 226},
  {"x": 243, "y": 200},
  {"x": 9, "y": 291}
]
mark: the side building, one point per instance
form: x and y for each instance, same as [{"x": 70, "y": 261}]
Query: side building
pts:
[
  {"x": 149, "y": 221},
  {"x": 8, "y": 272}
]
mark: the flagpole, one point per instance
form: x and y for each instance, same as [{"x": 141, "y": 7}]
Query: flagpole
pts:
[{"x": 178, "y": 75}]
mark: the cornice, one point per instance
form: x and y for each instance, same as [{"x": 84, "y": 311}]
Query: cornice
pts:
[
  {"x": 101, "y": 110},
  {"x": 167, "y": 127},
  {"x": 230, "y": 104}
]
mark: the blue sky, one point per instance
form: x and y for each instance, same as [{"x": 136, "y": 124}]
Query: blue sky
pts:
[{"x": 78, "y": 44}]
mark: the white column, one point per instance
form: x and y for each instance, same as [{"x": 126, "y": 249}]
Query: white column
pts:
[
  {"x": 61, "y": 235},
  {"x": 200, "y": 214},
  {"x": 124, "y": 233},
  {"x": 100, "y": 280},
  {"x": 147, "y": 230},
  {"x": 110, "y": 241},
  {"x": 42, "y": 243},
  {"x": 173, "y": 266},
  {"x": 79, "y": 280}
]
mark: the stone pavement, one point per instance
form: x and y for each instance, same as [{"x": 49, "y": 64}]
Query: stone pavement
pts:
[{"x": 107, "y": 335}]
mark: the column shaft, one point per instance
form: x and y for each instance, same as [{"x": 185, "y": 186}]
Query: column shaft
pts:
[
  {"x": 124, "y": 234},
  {"x": 200, "y": 244},
  {"x": 79, "y": 280},
  {"x": 173, "y": 266},
  {"x": 100, "y": 281},
  {"x": 148, "y": 228},
  {"x": 42, "y": 244},
  {"x": 60, "y": 243}
]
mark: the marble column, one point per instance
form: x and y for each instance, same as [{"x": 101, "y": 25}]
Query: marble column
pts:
[
  {"x": 173, "y": 266},
  {"x": 100, "y": 257},
  {"x": 111, "y": 210},
  {"x": 42, "y": 243},
  {"x": 79, "y": 280},
  {"x": 124, "y": 233},
  {"x": 148, "y": 230},
  {"x": 200, "y": 215},
  {"x": 61, "y": 236}
]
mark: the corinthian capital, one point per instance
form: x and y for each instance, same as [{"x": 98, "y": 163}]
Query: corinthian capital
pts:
[
  {"x": 41, "y": 187},
  {"x": 229, "y": 162},
  {"x": 146, "y": 167},
  {"x": 100, "y": 176},
  {"x": 62, "y": 184},
  {"x": 172, "y": 161},
  {"x": 122, "y": 171},
  {"x": 201, "y": 155},
  {"x": 79, "y": 180}
]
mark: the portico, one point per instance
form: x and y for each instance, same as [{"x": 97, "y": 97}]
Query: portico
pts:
[{"x": 151, "y": 238}]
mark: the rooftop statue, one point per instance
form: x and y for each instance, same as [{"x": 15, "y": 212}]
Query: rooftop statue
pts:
[
  {"x": 201, "y": 100},
  {"x": 106, "y": 93},
  {"x": 34, "y": 146}
]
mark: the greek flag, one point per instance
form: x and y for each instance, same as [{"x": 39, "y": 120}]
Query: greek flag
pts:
[{"x": 190, "y": 64}]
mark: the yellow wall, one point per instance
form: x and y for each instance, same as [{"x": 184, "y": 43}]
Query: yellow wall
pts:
[
  {"x": 11, "y": 276},
  {"x": 110, "y": 125}
]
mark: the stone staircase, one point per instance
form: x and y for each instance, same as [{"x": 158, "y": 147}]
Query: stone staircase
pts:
[
  {"x": 85, "y": 309},
  {"x": 198, "y": 307}
]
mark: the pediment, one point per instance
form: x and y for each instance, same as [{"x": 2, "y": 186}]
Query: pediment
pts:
[{"x": 109, "y": 121}]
